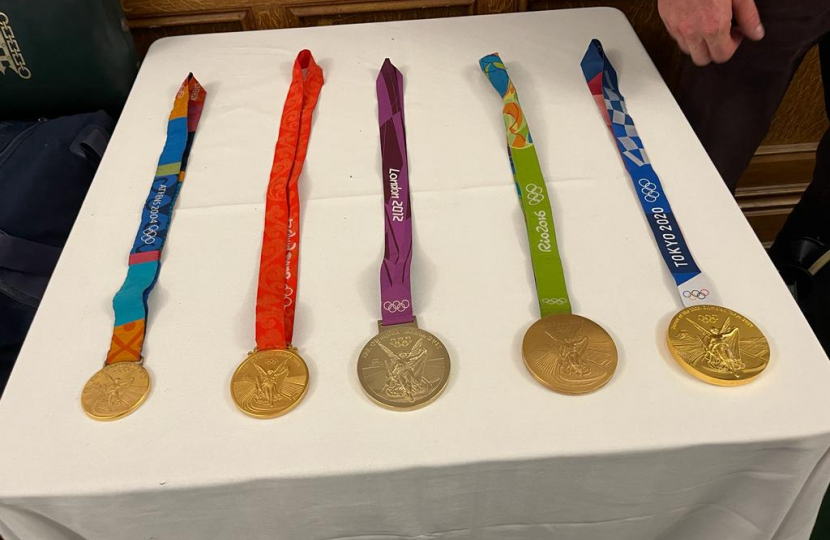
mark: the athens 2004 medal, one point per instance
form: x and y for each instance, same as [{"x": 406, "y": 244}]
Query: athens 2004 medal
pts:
[
  {"x": 403, "y": 367},
  {"x": 711, "y": 342},
  {"x": 565, "y": 352},
  {"x": 273, "y": 378},
  {"x": 123, "y": 384},
  {"x": 115, "y": 391}
]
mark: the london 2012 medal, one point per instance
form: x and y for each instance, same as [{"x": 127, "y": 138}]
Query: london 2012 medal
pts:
[
  {"x": 567, "y": 353},
  {"x": 403, "y": 367},
  {"x": 123, "y": 384},
  {"x": 713, "y": 343},
  {"x": 273, "y": 378}
]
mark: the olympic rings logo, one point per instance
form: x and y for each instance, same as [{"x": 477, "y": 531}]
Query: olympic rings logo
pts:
[
  {"x": 400, "y": 341},
  {"x": 555, "y": 301},
  {"x": 649, "y": 190},
  {"x": 698, "y": 295},
  {"x": 148, "y": 235},
  {"x": 708, "y": 318},
  {"x": 534, "y": 194},
  {"x": 396, "y": 306}
]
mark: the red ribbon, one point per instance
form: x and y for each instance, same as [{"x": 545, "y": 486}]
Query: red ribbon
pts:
[{"x": 279, "y": 262}]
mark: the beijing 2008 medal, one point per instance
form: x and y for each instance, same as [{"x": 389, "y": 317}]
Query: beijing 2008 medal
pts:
[
  {"x": 273, "y": 378},
  {"x": 565, "y": 352},
  {"x": 403, "y": 367},
  {"x": 270, "y": 383},
  {"x": 713, "y": 343},
  {"x": 123, "y": 384}
]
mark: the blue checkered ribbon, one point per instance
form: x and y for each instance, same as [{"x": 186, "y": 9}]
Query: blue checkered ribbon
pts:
[{"x": 693, "y": 286}]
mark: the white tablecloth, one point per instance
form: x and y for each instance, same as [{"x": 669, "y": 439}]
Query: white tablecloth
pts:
[{"x": 655, "y": 454}]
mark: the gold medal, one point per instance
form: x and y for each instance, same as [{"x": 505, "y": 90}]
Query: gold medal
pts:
[
  {"x": 122, "y": 385},
  {"x": 269, "y": 383},
  {"x": 569, "y": 354},
  {"x": 115, "y": 391},
  {"x": 713, "y": 343},
  {"x": 403, "y": 368},
  {"x": 718, "y": 345},
  {"x": 273, "y": 379}
]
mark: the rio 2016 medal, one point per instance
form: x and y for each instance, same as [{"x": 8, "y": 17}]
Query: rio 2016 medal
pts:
[
  {"x": 123, "y": 384},
  {"x": 569, "y": 354},
  {"x": 565, "y": 352},
  {"x": 403, "y": 367},
  {"x": 273, "y": 378},
  {"x": 713, "y": 343}
]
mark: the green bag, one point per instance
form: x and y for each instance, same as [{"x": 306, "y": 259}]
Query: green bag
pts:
[{"x": 63, "y": 58}]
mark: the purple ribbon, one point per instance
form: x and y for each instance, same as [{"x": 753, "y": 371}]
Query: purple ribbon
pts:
[{"x": 395, "y": 290}]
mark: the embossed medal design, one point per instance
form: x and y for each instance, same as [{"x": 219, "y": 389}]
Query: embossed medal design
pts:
[
  {"x": 115, "y": 391},
  {"x": 718, "y": 345},
  {"x": 403, "y": 368},
  {"x": 122, "y": 385},
  {"x": 569, "y": 354},
  {"x": 273, "y": 379},
  {"x": 713, "y": 343},
  {"x": 269, "y": 383}
]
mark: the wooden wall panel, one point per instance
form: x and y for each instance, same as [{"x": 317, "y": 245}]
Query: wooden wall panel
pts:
[
  {"x": 773, "y": 184},
  {"x": 767, "y": 192},
  {"x": 316, "y": 14},
  {"x": 801, "y": 117},
  {"x": 146, "y": 30}
]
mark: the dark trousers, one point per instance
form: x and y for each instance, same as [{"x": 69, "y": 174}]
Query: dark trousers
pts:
[{"x": 731, "y": 105}]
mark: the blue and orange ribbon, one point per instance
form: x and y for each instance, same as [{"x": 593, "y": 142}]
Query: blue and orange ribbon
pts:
[{"x": 130, "y": 302}]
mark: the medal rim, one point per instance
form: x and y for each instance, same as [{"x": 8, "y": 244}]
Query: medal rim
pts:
[
  {"x": 251, "y": 356},
  {"x": 109, "y": 418},
  {"x": 417, "y": 405},
  {"x": 715, "y": 381},
  {"x": 557, "y": 389}
]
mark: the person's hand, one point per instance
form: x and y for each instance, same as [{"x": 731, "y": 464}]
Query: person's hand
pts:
[{"x": 703, "y": 28}]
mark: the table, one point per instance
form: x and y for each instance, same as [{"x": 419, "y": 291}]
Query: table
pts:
[{"x": 655, "y": 454}]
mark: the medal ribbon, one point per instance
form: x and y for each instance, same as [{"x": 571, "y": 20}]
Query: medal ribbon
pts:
[
  {"x": 395, "y": 289},
  {"x": 692, "y": 285},
  {"x": 279, "y": 259},
  {"x": 533, "y": 194},
  {"x": 130, "y": 302}
]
